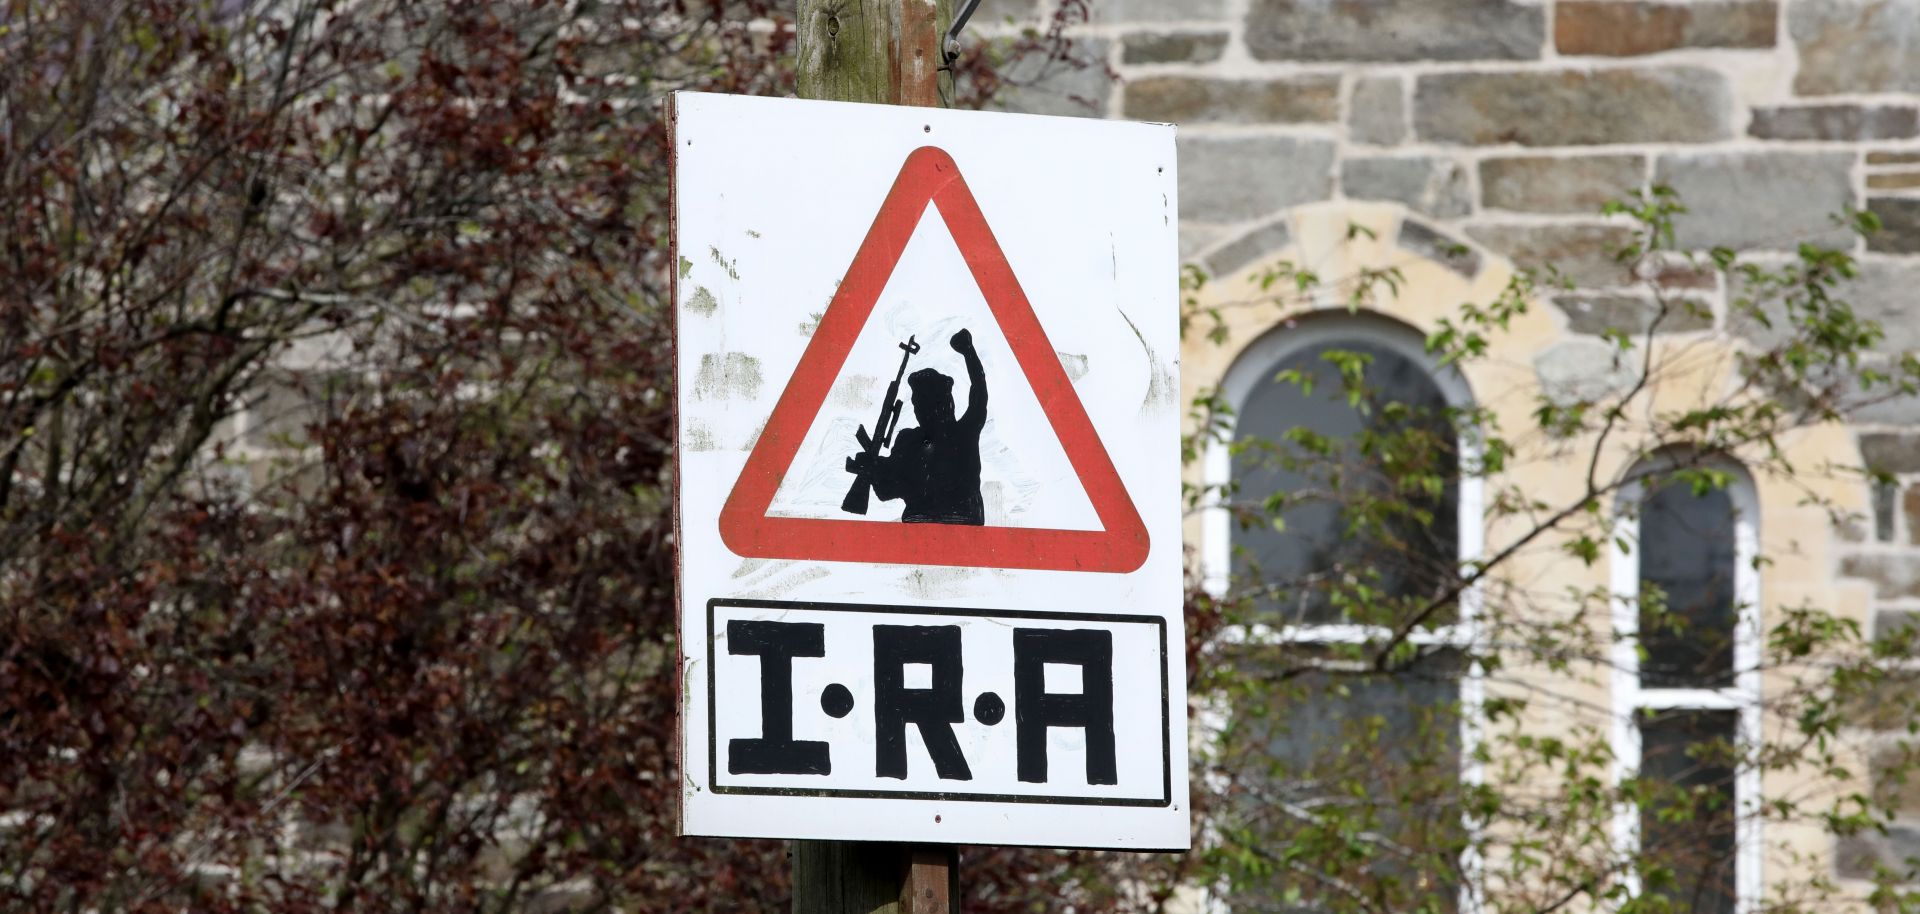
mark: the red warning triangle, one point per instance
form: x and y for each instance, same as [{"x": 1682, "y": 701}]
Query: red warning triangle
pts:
[{"x": 931, "y": 177}]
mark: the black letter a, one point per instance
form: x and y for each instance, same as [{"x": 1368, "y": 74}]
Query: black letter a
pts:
[{"x": 1036, "y": 709}]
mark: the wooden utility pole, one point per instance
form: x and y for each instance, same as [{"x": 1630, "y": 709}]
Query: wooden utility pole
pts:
[
  {"x": 880, "y": 51},
  {"x": 884, "y": 52}
]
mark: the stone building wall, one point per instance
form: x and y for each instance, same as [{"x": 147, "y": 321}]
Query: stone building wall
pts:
[{"x": 1505, "y": 124}]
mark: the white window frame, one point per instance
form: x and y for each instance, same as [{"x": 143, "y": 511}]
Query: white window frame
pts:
[
  {"x": 1255, "y": 366},
  {"x": 1743, "y": 696}
]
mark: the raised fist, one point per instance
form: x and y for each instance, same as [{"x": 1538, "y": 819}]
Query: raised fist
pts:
[{"x": 962, "y": 342}]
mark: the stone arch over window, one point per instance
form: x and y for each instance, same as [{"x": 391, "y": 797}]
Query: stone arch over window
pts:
[
  {"x": 1415, "y": 240},
  {"x": 1435, "y": 273},
  {"x": 1332, "y": 241}
]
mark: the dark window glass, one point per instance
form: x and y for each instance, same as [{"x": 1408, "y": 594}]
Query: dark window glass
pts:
[
  {"x": 1317, "y": 756},
  {"x": 1405, "y": 546},
  {"x": 1687, "y": 831},
  {"x": 1687, "y": 615}
]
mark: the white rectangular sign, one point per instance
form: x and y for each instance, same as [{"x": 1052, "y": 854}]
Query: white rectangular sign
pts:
[
  {"x": 921, "y": 670},
  {"x": 928, "y": 491}
]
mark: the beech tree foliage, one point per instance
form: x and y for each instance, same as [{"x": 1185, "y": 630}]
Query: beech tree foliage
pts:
[{"x": 335, "y": 388}]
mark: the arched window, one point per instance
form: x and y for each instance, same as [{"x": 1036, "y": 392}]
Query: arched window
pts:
[
  {"x": 1686, "y": 680},
  {"x": 1343, "y": 515}
]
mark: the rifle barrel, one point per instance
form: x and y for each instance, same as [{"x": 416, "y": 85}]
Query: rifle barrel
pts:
[{"x": 883, "y": 429}]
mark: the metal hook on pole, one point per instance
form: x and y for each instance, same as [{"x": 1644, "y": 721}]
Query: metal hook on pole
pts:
[{"x": 950, "y": 45}]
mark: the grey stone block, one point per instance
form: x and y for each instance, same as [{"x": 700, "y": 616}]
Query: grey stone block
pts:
[
  {"x": 1834, "y": 122},
  {"x": 1616, "y": 29},
  {"x": 1892, "y": 576},
  {"x": 1583, "y": 370},
  {"x": 1892, "y": 767},
  {"x": 1172, "y": 47},
  {"x": 1385, "y": 30},
  {"x": 1759, "y": 320},
  {"x": 1899, "y": 225},
  {"x": 1856, "y": 856},
  {"x": 1574, "y": 107},
  {"x": 282, "y": 408},
  {"x": 1003, "y": 12},
  {"x": 1377, "y": 113},
  {"x": 1236, "y": 178},
  {"x": 1080, "y": 87},
  {"x": 1900, "y": 409},
  {"x": 1596, "y": 313},
  {"x": 1109, "y": 12},
  {"x": 1184, "y": 100},
  {"x": 277, "y": 416},
  {"x": 1771, "y": 200},
  {"x": 1899, "y": 180},
  {"x": 1435, "y": 186},
  {"x": 1891, "y": 452},
  {"x": 1851, "y": 46},
  {"x": 1881, "y": 291},
  {"x": 1196, "y": 238},
  {"x": 1439, "y": 247},
  {"x": 1540, "y": 184},
  {"x": 1585, "y": 255},
  {"x": 1686, "y": 274},
  {"x": 1006, "y": 10},
  {"x": 1246, "y": 250},
  {"x": 1889, "y": 622}
]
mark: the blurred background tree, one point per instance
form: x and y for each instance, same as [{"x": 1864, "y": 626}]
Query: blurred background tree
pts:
[{"x": 335, "y": 447}]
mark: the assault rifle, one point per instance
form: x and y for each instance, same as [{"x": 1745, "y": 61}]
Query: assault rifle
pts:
[{"x": 889, "y": 421}]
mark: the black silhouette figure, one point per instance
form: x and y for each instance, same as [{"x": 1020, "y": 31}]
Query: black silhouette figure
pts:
[{"x": 935, "y": 467}]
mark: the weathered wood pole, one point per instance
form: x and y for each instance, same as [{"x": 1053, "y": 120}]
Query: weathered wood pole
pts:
[
  {"x": 879, "y": 51},
  {"x": 883, "y": 52}
]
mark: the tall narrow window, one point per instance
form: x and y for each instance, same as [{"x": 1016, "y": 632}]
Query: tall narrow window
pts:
[
  {"x": 1686, "y": 688},
  {"x": 1299, "y": 437},
  {"x": 1345, "y": 517}
]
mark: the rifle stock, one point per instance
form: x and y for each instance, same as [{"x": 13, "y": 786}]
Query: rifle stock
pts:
[{"x": 857, "y": 496}]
